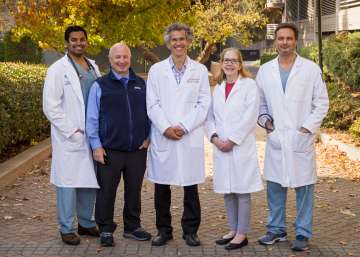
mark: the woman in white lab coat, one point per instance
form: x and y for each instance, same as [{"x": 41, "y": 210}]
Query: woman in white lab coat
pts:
[{"x": 231, "y": 127}]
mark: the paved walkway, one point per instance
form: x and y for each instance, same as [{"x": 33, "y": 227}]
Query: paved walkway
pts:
[{"x": 28, "y": 225}]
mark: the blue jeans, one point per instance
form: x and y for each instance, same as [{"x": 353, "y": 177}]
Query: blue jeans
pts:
[
  {"x": 75, "y": 200},
  {"x": 276, "y": 197}
]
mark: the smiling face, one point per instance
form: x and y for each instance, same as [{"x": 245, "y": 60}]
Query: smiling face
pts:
[
  {"x": 231, "y": 64},
  {"x": 77, "y": 43},
  {"x": 120, "y": 59},
  {"x": 178, "y": 43},
  {"x": 285, "y": 42}
]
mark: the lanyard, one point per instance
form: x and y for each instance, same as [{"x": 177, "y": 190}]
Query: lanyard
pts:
[{"x": 91, "y": 67}]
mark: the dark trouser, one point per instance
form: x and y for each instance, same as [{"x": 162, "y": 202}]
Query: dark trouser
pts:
[
  {"x": 191, "y": 217},
  {"x": 132, "y": 167}
]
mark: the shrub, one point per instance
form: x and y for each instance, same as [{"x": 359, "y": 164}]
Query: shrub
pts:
[
  {"x": 21, "y": 115},
  {"x": 267, "y": 57},
  {"x": 310, "y": 52},
  {"x": 342, "y": 58},
  {"x": 344, "y": 108},
  {"x": 355, "y": 130}
]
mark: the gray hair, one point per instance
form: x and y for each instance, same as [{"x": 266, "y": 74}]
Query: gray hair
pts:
[{"x": 177, "y": 27}]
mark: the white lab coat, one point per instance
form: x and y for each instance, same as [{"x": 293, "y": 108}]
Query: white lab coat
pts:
[
  {"x": 63, "y": 104},
  {"x": 236, "y": 171},
  {"x": 290, "y": 154},
  {"x": 168, "y": 104}
]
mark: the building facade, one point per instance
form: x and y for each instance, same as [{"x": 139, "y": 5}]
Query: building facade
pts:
[{"x": 336, "y": 16}]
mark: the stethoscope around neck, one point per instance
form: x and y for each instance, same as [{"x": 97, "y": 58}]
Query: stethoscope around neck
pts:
[{"x": 91, "y": 67}]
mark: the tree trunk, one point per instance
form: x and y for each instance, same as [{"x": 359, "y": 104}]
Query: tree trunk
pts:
[
  {"x": 148, "y": 54},
  {"x": 205, "y": 53}
]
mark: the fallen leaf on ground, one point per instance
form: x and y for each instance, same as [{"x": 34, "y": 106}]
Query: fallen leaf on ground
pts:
[
  {"x": 342, "y": 243},
  {"x": 347, "y": 212},
  {"x": 37, "y": 217}
]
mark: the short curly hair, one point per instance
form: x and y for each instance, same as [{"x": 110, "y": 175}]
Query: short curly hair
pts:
[{"x": 178, "y": 27}]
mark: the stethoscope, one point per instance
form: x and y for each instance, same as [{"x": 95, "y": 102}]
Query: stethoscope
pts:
[{"x": 91, "y": 67}]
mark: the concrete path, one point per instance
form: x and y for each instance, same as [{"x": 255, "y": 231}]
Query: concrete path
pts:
[{"x": 28, "y": 225}]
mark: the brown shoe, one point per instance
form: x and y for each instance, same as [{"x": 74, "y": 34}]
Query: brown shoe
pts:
[
  {"x": 93, "y": 231},
  {"x": 70, "y": 238}
]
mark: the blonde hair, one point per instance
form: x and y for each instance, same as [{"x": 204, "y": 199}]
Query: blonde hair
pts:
[{"x": 243, "y": 71}]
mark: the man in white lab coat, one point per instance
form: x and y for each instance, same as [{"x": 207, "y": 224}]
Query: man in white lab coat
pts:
[
  {"x": 293, "y": 93},
  {"x": 178, "y": 99},
  {"x": 66, "y": 89}
]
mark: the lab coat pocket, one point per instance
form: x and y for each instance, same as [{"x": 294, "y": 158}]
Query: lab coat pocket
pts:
[
  {"x": 158, "y": 141},
  {"x": 75, "y": 143},
  {"x": 273, "y": 140},
  {"x": 302, "y": 142}
]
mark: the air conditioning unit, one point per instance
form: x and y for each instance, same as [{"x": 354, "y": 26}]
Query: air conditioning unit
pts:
[
  {"x": 275, "y": 4},
  {"x": 270, "y": 31}
]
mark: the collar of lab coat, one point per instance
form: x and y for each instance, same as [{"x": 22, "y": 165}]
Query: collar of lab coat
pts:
[
  {"x": 189, "y": 69},
  {"x": 294, "y": 70},
  {"x": 73, "y": 77},
  {"x": 236, "y": 87}
]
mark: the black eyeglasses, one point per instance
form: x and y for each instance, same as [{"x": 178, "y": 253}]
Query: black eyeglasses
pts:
[{"x": 230, "y": 61}]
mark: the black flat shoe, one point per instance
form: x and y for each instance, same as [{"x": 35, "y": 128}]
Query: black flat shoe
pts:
[
  {"x": 191, "y": 239},
  {"x": 161, "y": 239},
  {"x": 93, "y": 231},
  {"x": 232, "y": 246},
  {"x": 223, "y": 241}
]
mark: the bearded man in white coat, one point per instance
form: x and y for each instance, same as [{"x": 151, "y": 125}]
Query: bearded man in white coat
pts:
[
  {"x": 178, "y": 99},
  {"x": 66, "y": 89},
  {"x": 293, "y": 93}
]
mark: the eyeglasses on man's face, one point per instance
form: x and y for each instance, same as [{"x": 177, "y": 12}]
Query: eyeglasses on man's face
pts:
[{"x": 230, "y": 61}]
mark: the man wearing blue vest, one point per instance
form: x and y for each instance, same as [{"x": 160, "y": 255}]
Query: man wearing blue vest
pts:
[{"x": 118, "y": 128}]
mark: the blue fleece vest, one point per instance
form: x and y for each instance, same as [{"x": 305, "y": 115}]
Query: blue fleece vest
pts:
[{"x": 123, "y": 121}]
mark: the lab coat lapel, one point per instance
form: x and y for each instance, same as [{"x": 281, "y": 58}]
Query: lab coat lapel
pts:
[
  {"x": 190, "y": 69},
  {"x": 235, "y": 88},
  {"x": 276, "y": 76},
  {"x": 294, "y": 71},
  {"x": 169, "y": 74},
  {"x": 73, "y": 79}
]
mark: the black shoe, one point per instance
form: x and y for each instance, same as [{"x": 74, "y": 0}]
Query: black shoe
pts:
[
  {"x": 70, "y": 238},
  {"x": 232, "y": 246},
  {"x": 223, "y": 241},
  {"x": 106, "y": 239},
  {"x": 191, "y": 239},
  {"x": 161, "y": 239},
  {"x": 138, "y": 234},
  {"x": 93, "y": 231}
]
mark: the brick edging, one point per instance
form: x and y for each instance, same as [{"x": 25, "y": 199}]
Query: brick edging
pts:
[{"x": 23, "y": 162}]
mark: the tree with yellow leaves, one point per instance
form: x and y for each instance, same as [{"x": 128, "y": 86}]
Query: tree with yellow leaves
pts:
[{"x": 138, "y": 23}]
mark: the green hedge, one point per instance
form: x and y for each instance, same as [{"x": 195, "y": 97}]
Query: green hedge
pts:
[
  {"x": 344, "y": 108},
  {"x": 22, "y": 119},
  {"x": 355, "y": 130},
  {"x": 342, "y": 58},
  {"x": 265, "y": 57}
]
